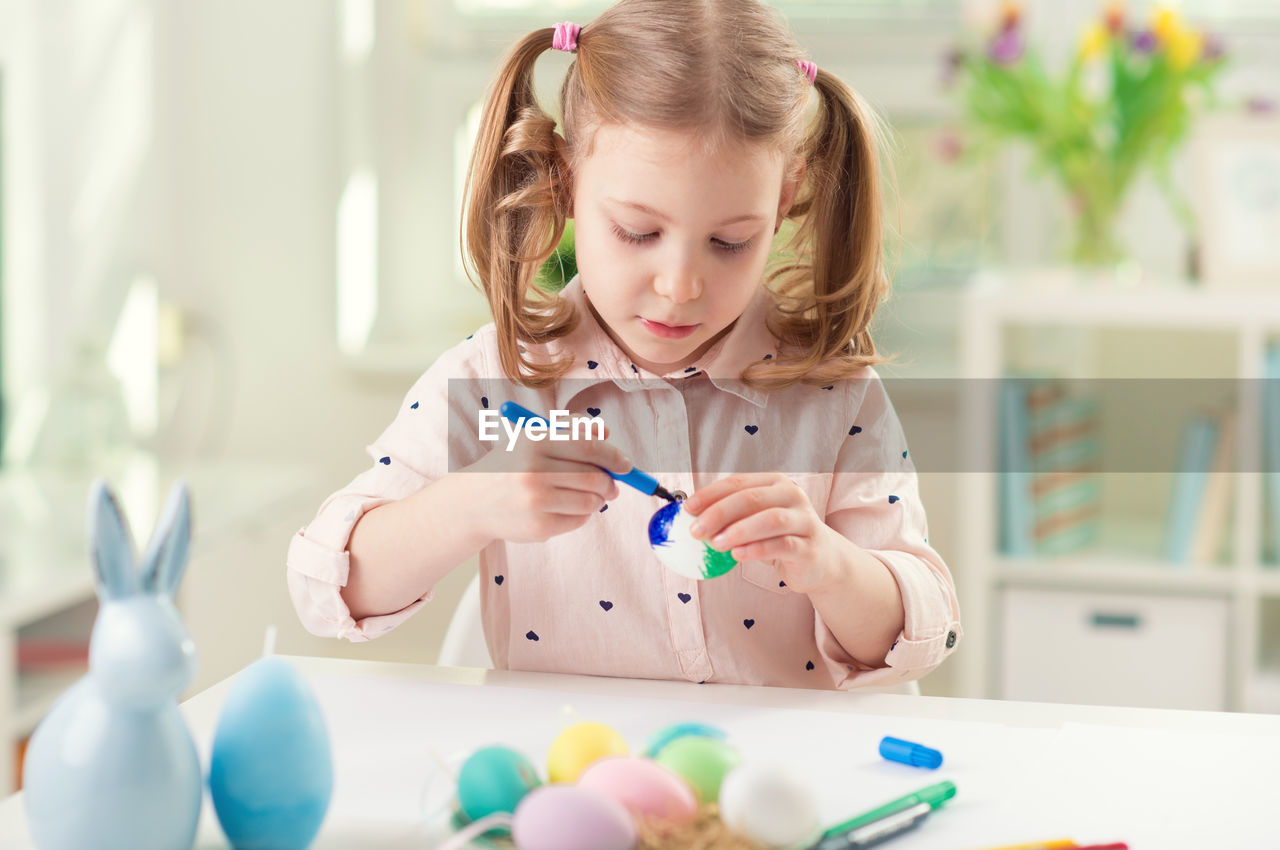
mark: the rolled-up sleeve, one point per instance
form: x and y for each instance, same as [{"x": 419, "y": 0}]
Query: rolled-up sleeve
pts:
[
  {"x": 875, "y": 503},
  {"x": 410, "y": 454}
]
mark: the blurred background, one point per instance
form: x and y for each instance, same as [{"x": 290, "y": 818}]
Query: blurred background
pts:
[{"x": 228, "y": 245}]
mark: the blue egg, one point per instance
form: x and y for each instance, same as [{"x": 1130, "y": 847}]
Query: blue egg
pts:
[
  {"x": 494, "y": 779},
  {"x": 667, "y": 734},
  {"x": 270, "y": 773}
]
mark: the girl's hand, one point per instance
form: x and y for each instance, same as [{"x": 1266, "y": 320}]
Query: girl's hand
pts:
[
  {"x": 542, "y": 488},
  {"x": 767, "y": 517}
]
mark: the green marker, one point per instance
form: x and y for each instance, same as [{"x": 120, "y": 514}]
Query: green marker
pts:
[{"x": 934, "y": 795}]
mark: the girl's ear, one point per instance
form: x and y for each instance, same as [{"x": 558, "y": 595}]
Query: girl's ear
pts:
[{"x": 791, "y": 180}]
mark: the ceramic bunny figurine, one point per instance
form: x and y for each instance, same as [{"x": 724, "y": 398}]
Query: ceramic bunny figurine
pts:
[{"x": 113, "y": 766}]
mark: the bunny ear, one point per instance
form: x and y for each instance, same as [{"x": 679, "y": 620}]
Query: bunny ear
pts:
[
  {"x": 166, "y": 556},
  {"x": 110, "y": 544}
]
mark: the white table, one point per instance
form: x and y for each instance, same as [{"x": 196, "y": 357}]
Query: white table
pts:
[{"x": 1160, "y": 780}]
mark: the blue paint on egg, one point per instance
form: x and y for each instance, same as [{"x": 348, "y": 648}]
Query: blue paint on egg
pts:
[
  {"x": 675, "y": 545},
  {"x": 660, "y": 524}
]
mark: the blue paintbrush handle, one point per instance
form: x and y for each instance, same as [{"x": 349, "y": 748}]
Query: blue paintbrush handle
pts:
[{"x": 642, "y": 481}]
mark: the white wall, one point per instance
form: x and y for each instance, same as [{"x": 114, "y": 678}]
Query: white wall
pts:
[{"x": 248, "y": 124}]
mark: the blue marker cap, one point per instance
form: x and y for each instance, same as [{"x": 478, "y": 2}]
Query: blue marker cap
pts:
[{"x": 916, "y": 755}]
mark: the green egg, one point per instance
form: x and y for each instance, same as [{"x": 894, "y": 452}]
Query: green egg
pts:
[
  {"x": 494, "y": 779},
  {"x": 703, "y": 762}
]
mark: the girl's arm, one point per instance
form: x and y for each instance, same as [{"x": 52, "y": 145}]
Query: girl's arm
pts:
[
  {"x": 860, "y": 602},
  {"x": 885, "y": 600},
  {"x": 401, "y": 549}
]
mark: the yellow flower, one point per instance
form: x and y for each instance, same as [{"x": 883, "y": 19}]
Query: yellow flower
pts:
[
  {"x": 1092, "y": 40},
  {"x": 1184, "y": 48},
  {"x": 1166, "y": 23}
]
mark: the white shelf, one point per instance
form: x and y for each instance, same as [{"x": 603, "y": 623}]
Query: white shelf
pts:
[
  {"x": 1052, "y": 298},
  {"x": 1263, "y": 692},
  {"x": 998, "y": 303},
  {"x": 37, "y": 692},
  {"x": 1267, "y": 582},
  {"x": 1108, "y": 572}
]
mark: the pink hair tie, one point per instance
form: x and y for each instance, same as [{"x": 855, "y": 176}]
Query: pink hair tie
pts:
[
  {"x": 566, "y": 37},
  {"x": 810, "y": 69}
]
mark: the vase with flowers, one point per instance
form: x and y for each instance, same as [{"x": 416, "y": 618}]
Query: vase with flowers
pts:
[{"x": 1123, "y": 105}]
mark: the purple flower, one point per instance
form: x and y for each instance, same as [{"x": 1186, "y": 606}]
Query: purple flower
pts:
[
  {"x": 1259, "y": 105},
  {"x": 1213, "y": 48},
  {"x": 1144, "y": 41},
  {"x": 1006, "y": 48}
]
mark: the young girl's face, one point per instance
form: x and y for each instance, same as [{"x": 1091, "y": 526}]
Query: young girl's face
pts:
[{"x": 671, "y": 241}]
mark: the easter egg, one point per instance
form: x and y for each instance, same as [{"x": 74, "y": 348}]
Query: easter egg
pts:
[
  {"x": 567, "y": 817},
  {"x": 769, "y": 805},
  {"x": 494, "y": 779},
  {"x": 580, "y": 745},
  {"x": 667, "y": 734},
  {"x": 703, "y": 762},
  {"x": 270, "y": 772},
  {"x": 679, "y": 550},
  {"x": 644, "y": 787}
]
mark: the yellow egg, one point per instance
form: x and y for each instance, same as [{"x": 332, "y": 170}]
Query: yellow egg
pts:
[{"x": 580, "y": 745}]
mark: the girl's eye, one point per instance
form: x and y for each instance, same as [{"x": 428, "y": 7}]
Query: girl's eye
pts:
[
  {"x": 633, "y": 238},
  {"x": 642, "y": 238},
  {"x": 732, "y": 247}
]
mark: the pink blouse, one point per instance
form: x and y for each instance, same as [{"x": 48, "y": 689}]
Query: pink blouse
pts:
[{"x": 597, "y": 600}]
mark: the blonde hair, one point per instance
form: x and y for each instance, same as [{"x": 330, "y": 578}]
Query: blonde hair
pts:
[{"x": 725, "y": 70}]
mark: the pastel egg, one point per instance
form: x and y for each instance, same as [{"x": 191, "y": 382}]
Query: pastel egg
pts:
[
  {"x": 580, "y": 745},
  {"x": 703, "y": 762},
  {"x": 679, "y": 550},
  {"x": 769, "y": 805},
  {"x": 270, "y": 767},
  {"x": 644, "y": 787},
  {"x": 494, "y": 779},
  {"x": 569, "y": 817},
  {"x": 667, "y": 734}
]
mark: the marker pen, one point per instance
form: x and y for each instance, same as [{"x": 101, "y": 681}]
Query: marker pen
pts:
[{"x": 642, "y": 481}]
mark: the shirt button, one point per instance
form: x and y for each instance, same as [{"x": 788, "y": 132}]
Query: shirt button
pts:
[
  {"x": 680, "y": 495},
  {"x": 951, "y": 639}
]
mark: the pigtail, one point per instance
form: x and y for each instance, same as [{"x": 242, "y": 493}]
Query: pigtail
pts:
[
  {"x": 832, "y": 277},
  {"x": 514, "y": 214}
]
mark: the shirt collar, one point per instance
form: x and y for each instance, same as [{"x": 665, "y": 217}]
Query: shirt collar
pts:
[{"x": 598, "y": 358}]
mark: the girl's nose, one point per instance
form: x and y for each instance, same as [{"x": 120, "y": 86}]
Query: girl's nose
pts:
[{"x": 679, "y": 284}]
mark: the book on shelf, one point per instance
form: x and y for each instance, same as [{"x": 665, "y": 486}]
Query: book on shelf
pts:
[
  {"x": 37, "y": 655},
  {"x": 1050, "y": 491},
  {"x": 1271, "y": 446},
  {"x": 1186, "y": 528},
  {"x": 1016, "y": 516},
  {"x": 1210, "y": 531}
]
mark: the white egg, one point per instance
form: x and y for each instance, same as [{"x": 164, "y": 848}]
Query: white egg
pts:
[
  {"x": 679, "y": 550},
  {"x": 768, "y": 804}
]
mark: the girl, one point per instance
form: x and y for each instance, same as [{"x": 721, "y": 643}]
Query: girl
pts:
[{"x": 691, "y": 132}]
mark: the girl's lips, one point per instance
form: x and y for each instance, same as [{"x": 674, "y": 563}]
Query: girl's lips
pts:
[{"x": 668, "y": 331}]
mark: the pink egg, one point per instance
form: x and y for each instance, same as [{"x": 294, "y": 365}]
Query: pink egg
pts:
[
  {"x": 646, "y": 788},
  {"x": 566, "y": 817}
]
